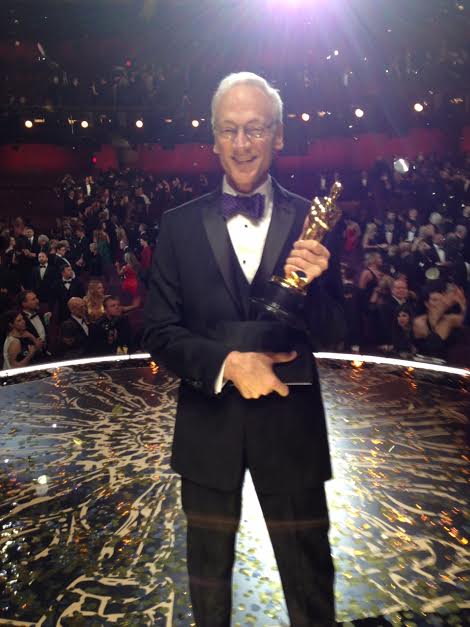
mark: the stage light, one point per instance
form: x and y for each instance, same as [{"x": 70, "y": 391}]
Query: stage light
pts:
[
  {"x": 28, "y": 124},
  {"x": 195, "y": 123},
  {"x": 359, "y": 113},
  {"x": 305, "y": 117},
  {"x": 139, "y": 124},
  {"x": 418, "y": 107},
  {"x": 84, "y": 124}
]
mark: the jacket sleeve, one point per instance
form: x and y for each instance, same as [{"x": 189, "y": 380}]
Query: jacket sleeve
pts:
[{"x": 193, "y": 357}]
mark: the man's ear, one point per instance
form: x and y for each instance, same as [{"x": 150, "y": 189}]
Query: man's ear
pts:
[
  {"x": 215, "y": 148},
  {"x": 278, "y": 143}
]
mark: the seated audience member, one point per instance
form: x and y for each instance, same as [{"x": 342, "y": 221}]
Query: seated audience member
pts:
[
  {"x": 112, "y": 332},
  {"x": 94, "y": 299},
  {"x": 402, "y": 341},
  {"x": 20, "y": 346},
  {"x": 44, "y": 281},
  {"x": 74, "y": 340},
  {"x": 398, "y": 297},
  {"x": 67, "y": 287},
  {"x": 433, "y": 330},
  {"x": 36, "y": 324}
]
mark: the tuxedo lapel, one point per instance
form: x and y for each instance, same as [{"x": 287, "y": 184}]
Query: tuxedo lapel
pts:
[
  {"x": 282, "y": 220},
  {"x": 221, "y": 245}
]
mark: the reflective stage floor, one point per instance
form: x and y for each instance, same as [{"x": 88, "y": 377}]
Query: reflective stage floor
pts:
[{"x": 91, "y": 531}]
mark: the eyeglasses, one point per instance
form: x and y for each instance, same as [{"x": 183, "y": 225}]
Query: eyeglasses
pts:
[{"x": 252, "y": 133}]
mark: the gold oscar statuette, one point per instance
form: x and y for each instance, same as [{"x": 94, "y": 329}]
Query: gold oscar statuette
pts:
[{"x": 283, "y": 296}]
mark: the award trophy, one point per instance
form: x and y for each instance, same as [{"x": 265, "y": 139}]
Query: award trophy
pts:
[{"x": 284, "y": 297}]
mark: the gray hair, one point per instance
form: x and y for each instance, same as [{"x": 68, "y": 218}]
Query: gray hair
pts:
[{"x": 247, "y": 78}]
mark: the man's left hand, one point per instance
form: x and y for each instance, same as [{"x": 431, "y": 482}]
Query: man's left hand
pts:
[{"x": 308, "y": 257}]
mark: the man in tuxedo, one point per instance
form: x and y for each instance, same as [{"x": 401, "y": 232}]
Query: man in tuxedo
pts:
[
  {"x": 112, "y": 331},
  {"x": 235, "y": 409},
  {"x": 74, "y": 335},
  {"x": 35, "y": 322},
  {"x": 67, "y": 287},
  {"x": 44, "y": 280},
  {"x": 27, "y": 252}
]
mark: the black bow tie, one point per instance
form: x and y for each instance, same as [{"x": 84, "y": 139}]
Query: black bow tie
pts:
[
  {"x": 67, "y": 282},
  {"x": 250, "y": 206},
  {"x": 41, "y": 266}
]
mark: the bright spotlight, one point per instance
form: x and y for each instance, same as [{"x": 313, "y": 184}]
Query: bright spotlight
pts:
[
  {"x": 305, "y": 117},
  {"x": 359, "y": 113},
  {"x": 418, "y": 107},
  {"x": 84, "y": 124},
  {"x": 28, "y": 124},
  {"x": 139, "y": 124},
  {"x": 195, "y": 123}
]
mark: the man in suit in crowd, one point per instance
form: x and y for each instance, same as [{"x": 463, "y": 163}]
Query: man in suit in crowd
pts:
[
  {"x": 235, "y": 410},
  {"x": 112, "y": 331},
  {"x": 44, "y": 280},
  {"x": 27, "y": 255},
  {"x": 74, "y": 335},
  {"x": 67, "y": 287},
  {"x": 35, "y": 322}
]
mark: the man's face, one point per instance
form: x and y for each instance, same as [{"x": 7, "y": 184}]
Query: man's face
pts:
[
  {"x": 461, "y": 231},
  {"x": 32, "y": 302},
  {"x": 61, "y": 251},
  {"x": 113, "y": 308},
  {"x": 246, "y": 162},
  {"x": 29, "y": 233},
  {"x": 42, "y": 258},
  {"x": 67, "y": 273},
  {"x": 438, "y": 239},
  {"x": 400, "y": 290}
]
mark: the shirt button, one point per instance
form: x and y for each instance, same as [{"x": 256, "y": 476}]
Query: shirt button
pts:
[
  {"x": 244, "y": 261},
  {"x": 246, "y": 226}
]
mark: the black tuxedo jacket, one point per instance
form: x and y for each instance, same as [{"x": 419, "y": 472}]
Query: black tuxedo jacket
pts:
[
  {"x": 30, "y": 326},
  {"x": 198, "y": 310},
  {"x": 46, "y": 287},
  {"x": 63, "y": 295}
]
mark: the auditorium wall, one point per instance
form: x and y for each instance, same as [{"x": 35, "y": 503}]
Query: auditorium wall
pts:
[{"x": 332, "y": 153}]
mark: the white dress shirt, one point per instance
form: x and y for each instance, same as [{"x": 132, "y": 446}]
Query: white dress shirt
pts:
[
  {"x": 42, "y": 270},
  {"x": 441, "y": 253},
  {"x": 248, "y": 238}
]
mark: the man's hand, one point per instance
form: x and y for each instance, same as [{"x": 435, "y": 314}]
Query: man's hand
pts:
[
  {"x": 253, "y": 374},
  {"x": 308, "y": 257}
]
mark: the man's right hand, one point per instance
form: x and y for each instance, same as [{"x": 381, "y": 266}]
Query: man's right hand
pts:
[{"x": 253, "y": 375}]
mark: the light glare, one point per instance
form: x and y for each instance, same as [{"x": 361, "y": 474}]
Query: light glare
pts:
[
  {"x": 418, "y": 107},
  {"x": 305, "y": 117},
  {"x": 139, "y": 123},
  {"x": 28, "y": 124},
  {"x": 359, "y": 113},
  {"x": 195, "y": 123},
  {"x": 84, "y": 124}
]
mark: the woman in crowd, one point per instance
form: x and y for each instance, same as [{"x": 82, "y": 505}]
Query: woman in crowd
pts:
[
  {"x": 402, "y": 332},
  {"x": 94, "y": 299},
  {"x": 370, "y": 239},
  {"x": 20, "y": 345},
  {"x": 433, "y": 330},
  {"x": 130, "y": 284}
]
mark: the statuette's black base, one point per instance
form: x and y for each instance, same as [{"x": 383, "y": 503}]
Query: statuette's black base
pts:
[{"x": 285, "y": 304}]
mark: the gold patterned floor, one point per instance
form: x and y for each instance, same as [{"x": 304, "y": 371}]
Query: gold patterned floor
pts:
[{"x": 91, "y": 532}]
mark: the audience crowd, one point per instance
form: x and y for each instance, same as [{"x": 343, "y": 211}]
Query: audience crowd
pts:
[{"x": 79, "y": 289}]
